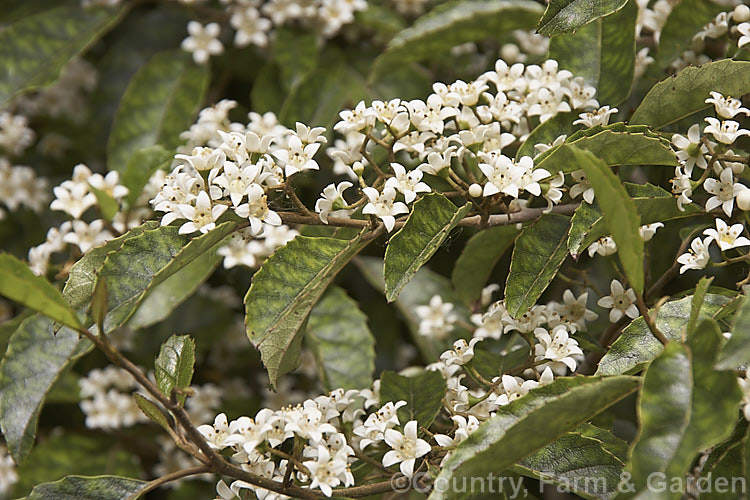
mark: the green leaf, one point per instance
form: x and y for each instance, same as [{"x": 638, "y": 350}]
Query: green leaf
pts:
[
  {"x": 683, "y": 22},
  {"x": 454, "y": 23},
  {"x": 341, "y": 341},
  {"x": 566, "y": 16},
  {"x": 620, "y": 215},
  {"x": 581, "y": 225},
  {"x": 736, "y": 352},
  {"x": 698, "y": 298},
  {"x": 530, "y": 423},
  {"x": 474, "y": 266},
  {"x": 98, "y": 308},
  {"x": 33, "y": 362},
  {"x": 146, "y": 261},
  {"x": 295, "y": 52},
  {"x": 159, "y": 103},
  {"x": 537, "y": 255},
  {"x": 423, "y": 395},
  {"x": 173, "y": 368},
  {"x": 286, "y": 288},
  {"x": 685, "y": 407},
  {"x": 547, "y": 132},
  {"x": 20, "y": 284},
  {"x": 616, "y": 446},
  {"x": 603, "y": 53},
  {"x": 140, "y": 167},
  {"x": 88, "y": 488},
  {"x": 153, "y": 412},
  {"x": 431, "y": 220},
  {"x": 636, "y": 346},
  {"x": 106, "y": 204},
  {"x": 685, "y": 93},
  {"x": 34, "y": 49},
  {"x": 579, "y": 463}
]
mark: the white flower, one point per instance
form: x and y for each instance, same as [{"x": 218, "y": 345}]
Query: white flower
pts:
[
  {"x": 436, "y": 319},
  {"x": 574, "y": 309},
  {"x": 354, "y": 120},
  {"x": 241, "y": 250},
  {"x": 203, "y": 41},
  {"x": 109, "y": 184},
  {"x": 234, "y": 182},
  {"x": 682, "y": 187},
  {"x": 698, "y": 256},
  {"x": 256, "y": 210},
  {"x": 744, "y": 29},
  {"x": 594, "y": 118},
  {"x": 461, "y": 353},
  {"x": 217, "y": 434},
  {"x": 582, "y": 186},
  {"x": 726, "y": 131},
  {"x": 297, "y": 156},
  {"x": 73, "y": 198},
  {"x": 407, "y": 183},
  {"x": 690, "y": 149},
  {"x": 724, "y": 190},
  {"x": 603, "y": 246},
  {"x": 407, "y": 447},
  {"x": 201, "y": 217},
  {"x": 547, "y": 103},
  {"x": 557, "y": 347},
  {"x": 745, "y": 387},
  {"x": 332, "y": 203},
  {"x": 502, "y": 174},
  {"x": 621, "y": 302},
  {"x": 510, "y": 389},
  {"x": 382, "y": 205},
  {"x": 726, "y": 107},
  {"x": 87, "y": 236},
  {"x": 727, "y": 237},
  {"x": 250, "y": 27},
  {"x": 581, "y": 95},
  {"x": 649, "y": 230},
  {"x": 437, "y": 161},
  {"x": 326, "y": 471}
]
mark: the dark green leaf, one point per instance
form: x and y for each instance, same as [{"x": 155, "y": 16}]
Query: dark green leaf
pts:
[
  {"x": 637, "y": 345},
  {"x": 566, "y": 16},
  {"x": 736, "y": 352},
  {"x": 547, "y": 132},
  {"x": 286, "y": 288},
  {"x": 140, "y": 167},
  {"x": 613, "y": 444},
  {"x": 478, "y": 258},
  {"x": 20, "y": 284},
  {"x": 98, "y": 308},
  {"x": 581, "y": 225},
  {"x": 34, "y": 49},
  {"x": 423, "y": 395},
  {"x": 529, "y": 423},
  {"x": 454, "y": 23},
  {"x": 620, "y": 215},
  {"x": 431, "y": 220},
  {"x": 295, "y": 52},
  {"x": 343, "y": 345},
  {"x": 698, "y": 298},
  {"x": 173, "y": 368},
  {"x": 537, "y": 255},
  {"x": 153, "y": 412},
  {"x": 603, "y": 53},
  {"x": 88, "y": 488},
  {"x": 159, "y": 103},
  {"x": 684, "y": 21},
  {"x": 685, "y": 93}
]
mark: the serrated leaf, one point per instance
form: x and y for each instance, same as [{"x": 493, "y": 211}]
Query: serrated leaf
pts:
[
  {"x": 454, "y": 23},
  {"x": 636, "y": 346},
  {"x": 736, "y": 352},
  {"x": 613, "y": 147},
  {"x": 88, "y": 488},
  {"x": 153, "y": 412},
  {"x": 683, "y": 22},
  {"x": 159, "y": 103},
  {"x": 140, "y": 167},
  {"x": 20, "y": 284},
  {"x": 619, "y": 213},
  {"x": 566, "y": 16},
  {"x": 529, "y": 423},
  {"x": 537, "y": 255},
  {"x": 685, "y": 407},
  {"x": 578, "y": 463},
  {"x": 685, "y": 93},
  {"x": 173, "y": 368},
  {"x": 423, "y": 395},
  {"x": 34, "y": 49},
  {"x": 547, "y": 132},
  {"x": 474, "y": 266},
  {"x": 146, "y": 261},
  {"x": 32, "y": 363},
  {"x": 286, "y": 288},
  {"x": 428, "y": 225},
  {"x": 344, "y": 348},
  {"x": 602, "y": 53}
]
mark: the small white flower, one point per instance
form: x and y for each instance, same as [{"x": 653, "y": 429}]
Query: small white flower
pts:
[
  {"x": 603, "y": 246},
  {"x": 87, "y": 236},
  {"x": 726, "y": 131},
  {"x": 73, "y": 198},
  {"x": 575, "y": 309},
  {"x": 502, "y": 174},
  {"x": 201, "y": 217},
  {"x": 621, "y": 302},
  {"x": 297, "y": 156},
  {"x": 594, "y": 118},
  {"x": 203, "y": 41},
  {"x": 582, "y": 186},
  {"x": 256, "y": 210},
  {"x": 461, "y": 353},
  {"x": 744, "y": 29},
  {"x": 332, "y": 202},
  {"x": 724, "y": 190},
  {"x": 698, "y": 256},
  {"x": 408, "y": 183},
  {"x": 649, "y": 230},
  {"x": 510, "y": 389},
  {"x": 682, "y": 187},
  {"x": 382, "y": 205},
  {"x": 690, "y": 150},
  {"x": 558, "y": 347},
  {"x": 727, "y": 237},
  {"x": 407, "y": 447},
  {"x": 726, "y": 107},
  {"x": 436, "y": 320}
]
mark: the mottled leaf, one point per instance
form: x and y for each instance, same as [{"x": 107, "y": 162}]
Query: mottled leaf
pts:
[
  {"x": 565, "y": 16},
  {"x": 537, "y": 255},
  {"x": 173, "y": 368},
  {"x": 88, "y": 488},
  {"x": 547, "y": 132},
  {"x": 341, "y": 341},
  {"x": 423, "y": 395}
]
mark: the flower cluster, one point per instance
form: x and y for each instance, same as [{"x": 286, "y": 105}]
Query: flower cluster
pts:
[{"x": 107, "y": 399}]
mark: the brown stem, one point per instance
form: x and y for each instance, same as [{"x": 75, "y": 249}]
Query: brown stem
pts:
[{"x": 152, "y": 485}]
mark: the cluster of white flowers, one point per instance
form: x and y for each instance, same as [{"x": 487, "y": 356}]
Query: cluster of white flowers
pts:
[
  {"x": 20, "y": 187},
  {"x": 8, "y": 474},
  {"x": 107, "y": 399}
]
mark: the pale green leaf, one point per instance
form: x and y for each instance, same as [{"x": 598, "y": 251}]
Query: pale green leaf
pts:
[
  {"x": 106, "y": 204},
  {"x": 159, "y": 103},
  {"x": 431, "y": 220},
  {"x": 565, "y": 16},
  {"x": 173, "y": 368},
  {"x": 34, "y": 49},
  {"x": 287, "y": 287},
  {"x": 423, "y": 395},
  {"x": 619, "y": 213},
  {"x": 685, "y": 93},
  {"x": 88, "y": 488},
  {"x": 528, "y": 424},
  {"x": 603, "y": 53},
  {"x": 344, "y": 348},
  {"x": 537, "y": 255}
]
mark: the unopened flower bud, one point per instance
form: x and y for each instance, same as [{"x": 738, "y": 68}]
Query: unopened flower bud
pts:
[
  {"x": 741, "y": 14},
  {"x": 475, "y": 190},
  {"x": 743, "y": 199}
]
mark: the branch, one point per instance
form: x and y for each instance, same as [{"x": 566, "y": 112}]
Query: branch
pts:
[{"x": 152, "y": 485}]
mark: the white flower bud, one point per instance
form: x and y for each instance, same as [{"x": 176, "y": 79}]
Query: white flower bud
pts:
[
  {"x": 743, "y": 199},
  {"x": 358, "y": 168},
  {"x": 475, "y": 190},
  {"x": 741, "y": 14}
]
